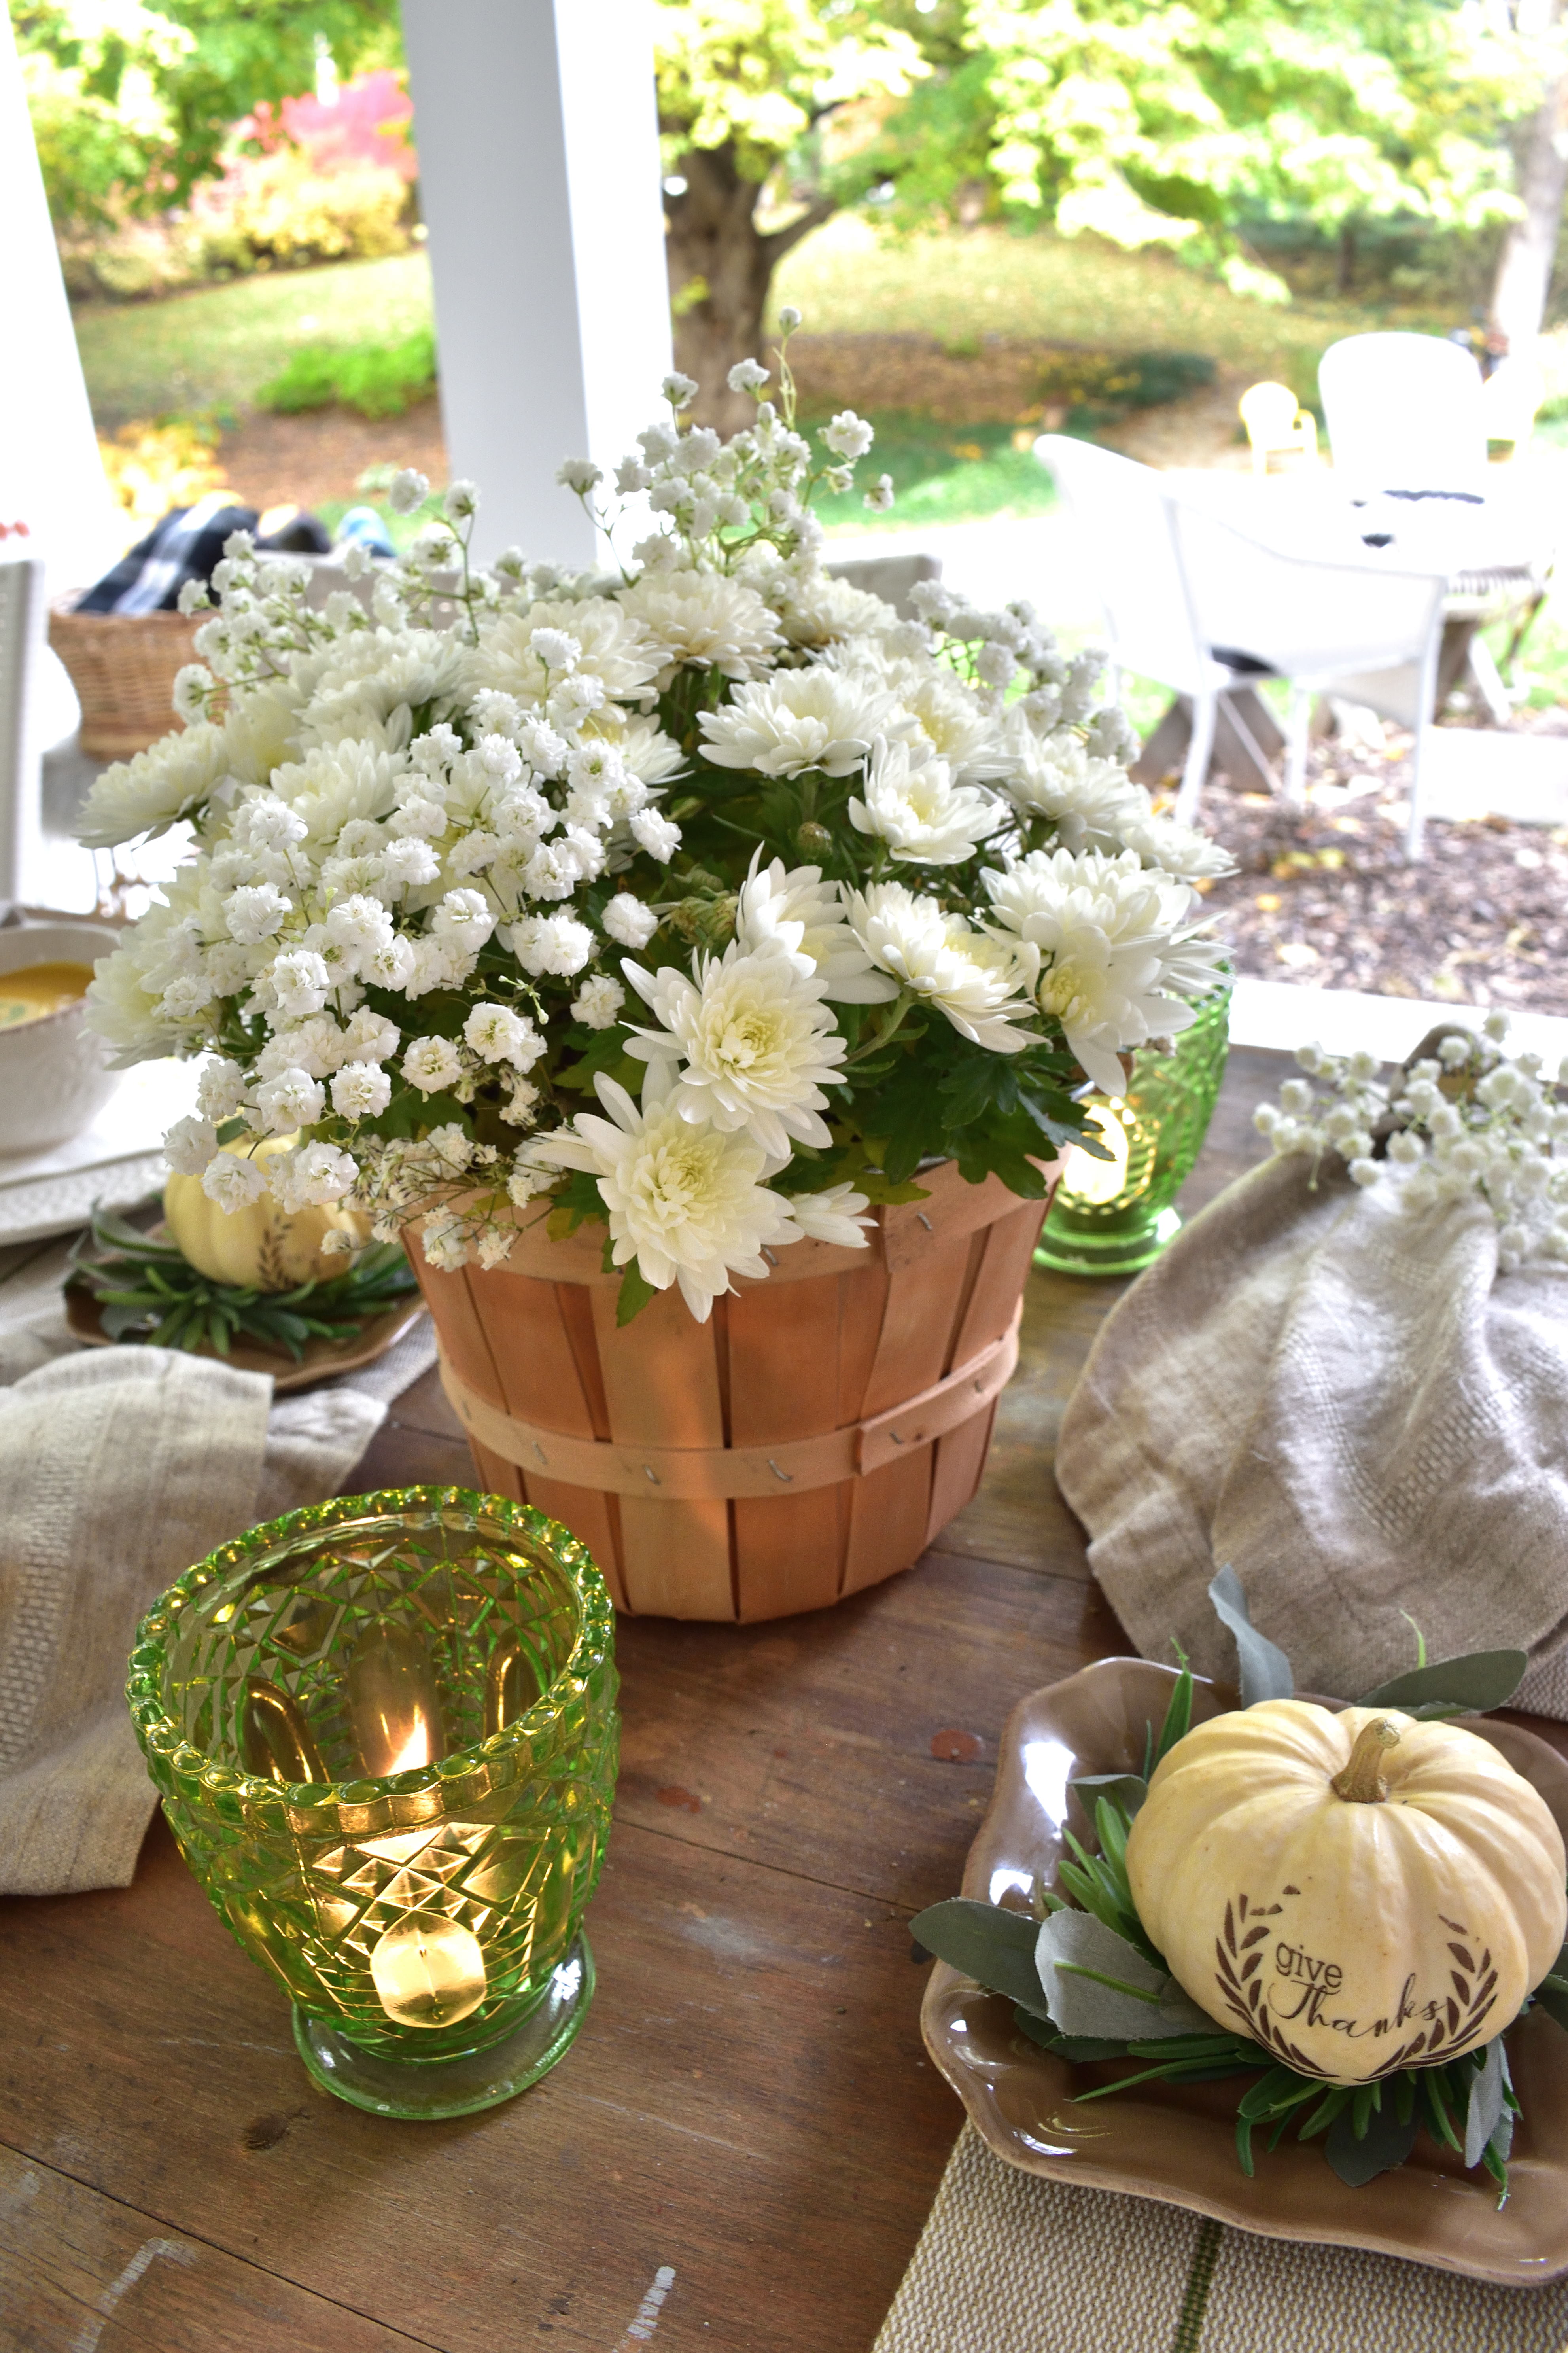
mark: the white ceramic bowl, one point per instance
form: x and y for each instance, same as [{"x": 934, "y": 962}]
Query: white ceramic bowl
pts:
[{"x": 54, "y": 1073}]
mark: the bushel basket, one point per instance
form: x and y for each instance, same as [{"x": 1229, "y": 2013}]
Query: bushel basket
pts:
[{"x": 811, "y": 1437}]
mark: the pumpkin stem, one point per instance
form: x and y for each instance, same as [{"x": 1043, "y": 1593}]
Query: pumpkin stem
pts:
[{"x": 1362, "y": 1781}]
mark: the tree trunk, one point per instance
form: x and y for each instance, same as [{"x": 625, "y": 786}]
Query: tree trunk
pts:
[
  {"x": 1523, "y": 277},
  {"x": 720, "y": 267}
]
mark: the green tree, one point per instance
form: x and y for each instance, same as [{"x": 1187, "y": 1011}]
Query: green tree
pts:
[
  {"x": 1148, "y": 121},
  {"x": 1166, "y": 122},
  {"x": 757, "y": 103},
  {"x": 132, "y": 105}
]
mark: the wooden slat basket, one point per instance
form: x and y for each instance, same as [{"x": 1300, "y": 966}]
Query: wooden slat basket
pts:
[
  {"x": 123, "y": 666},
  {"x": 811, "y": 1437}
]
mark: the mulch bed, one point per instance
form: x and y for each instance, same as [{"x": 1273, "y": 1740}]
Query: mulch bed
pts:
[
  {"x": 272, "y": 460},
  {"x": 1325, "y": 897}
]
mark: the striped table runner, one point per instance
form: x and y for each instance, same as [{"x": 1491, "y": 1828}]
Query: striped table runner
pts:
[{"x": 1011, "y": 2264}]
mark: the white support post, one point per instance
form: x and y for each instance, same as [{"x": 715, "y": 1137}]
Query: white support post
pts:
[
  {"x": 538, "y": 173},
  {"x": 51, "y": 477}
]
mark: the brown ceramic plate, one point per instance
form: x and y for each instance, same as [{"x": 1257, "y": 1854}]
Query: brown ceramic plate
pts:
[
  {"x": 321, "y": 1360},
  {"x": 1177, "y": 2144}
]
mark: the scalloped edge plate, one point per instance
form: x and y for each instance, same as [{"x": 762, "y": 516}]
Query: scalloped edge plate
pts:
[{"x": 1177, "y": 2144}]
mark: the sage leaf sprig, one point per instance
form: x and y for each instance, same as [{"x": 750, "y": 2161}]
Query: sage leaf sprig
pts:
[{"x": 149, "y": 1293}]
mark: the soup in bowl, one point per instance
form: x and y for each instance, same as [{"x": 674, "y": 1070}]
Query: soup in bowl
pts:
[{"x": 54, "y": 1072}]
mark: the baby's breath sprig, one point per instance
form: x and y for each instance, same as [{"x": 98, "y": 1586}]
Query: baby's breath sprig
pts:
[{"x": 1462, "y": 1120}]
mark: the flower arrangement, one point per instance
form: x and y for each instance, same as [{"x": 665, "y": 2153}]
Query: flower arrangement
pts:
[
  {"x": 1462, "y": 1120},
  {"x": 1091, "y": 1983},
  {"x": 706, "y": 898}
]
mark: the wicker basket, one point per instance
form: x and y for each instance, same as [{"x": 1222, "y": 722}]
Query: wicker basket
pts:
[
  {"x": 809, "y": 1439},
  {"x": 123, "y": 666}
]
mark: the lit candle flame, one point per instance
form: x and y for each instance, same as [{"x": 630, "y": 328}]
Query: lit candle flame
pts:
[{"x": 1085, "y": 1178}]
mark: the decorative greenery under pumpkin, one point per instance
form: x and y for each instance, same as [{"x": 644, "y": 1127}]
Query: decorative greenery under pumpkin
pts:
[
  {"x": 147, "y": 1291},
  {"x": 1101, "y": 1966}
]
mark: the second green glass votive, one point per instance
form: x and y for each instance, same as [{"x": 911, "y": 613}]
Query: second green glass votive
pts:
[
  {"x": 1113, "y": 1217},
  {"x": 385, "y": 1734}
]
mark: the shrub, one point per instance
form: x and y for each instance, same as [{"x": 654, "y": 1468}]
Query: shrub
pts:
[
  {"x": 378, "y": 379},
  {"x": 284, "y": 212},
  {"x": 159, "y": 463}
]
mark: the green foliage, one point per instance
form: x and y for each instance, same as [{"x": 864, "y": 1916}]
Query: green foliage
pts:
[
  {"x": 147, "y": 1291},
  {"x": 378, "y": 379},
  {"x": 755, "y": 76},
  {"x": 132, "y": 104},
  {"x": 1163, "y": 122}
]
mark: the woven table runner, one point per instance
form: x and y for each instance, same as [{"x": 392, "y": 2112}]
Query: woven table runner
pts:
[{"x": 1008, "y": 2263}]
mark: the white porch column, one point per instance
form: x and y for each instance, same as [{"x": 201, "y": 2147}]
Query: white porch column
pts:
[
  {"x": 539, "y": 172},
  {"x": 51, "y": 476}
]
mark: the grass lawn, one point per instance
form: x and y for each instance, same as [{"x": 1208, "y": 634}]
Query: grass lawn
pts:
[
  {"x": 214, "y": 348},
  {"x": 846, "y": 278}
]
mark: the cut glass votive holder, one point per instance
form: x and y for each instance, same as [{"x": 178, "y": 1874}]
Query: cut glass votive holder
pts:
[
  {"x": 385, "y": 1734},
  {"x": 1115, "y": 1216}
]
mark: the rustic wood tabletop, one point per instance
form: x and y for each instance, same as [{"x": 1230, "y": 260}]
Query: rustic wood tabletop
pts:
[{"x": 748, "y": 2120}]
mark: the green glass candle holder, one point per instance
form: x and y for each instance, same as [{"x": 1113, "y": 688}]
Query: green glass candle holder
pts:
[
  {"x": 385, "y": 1734},
  {"x": 1115, "y": 1218}
]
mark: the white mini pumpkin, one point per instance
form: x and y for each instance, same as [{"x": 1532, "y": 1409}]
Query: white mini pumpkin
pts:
[{"x": 1359, "y": 1892}]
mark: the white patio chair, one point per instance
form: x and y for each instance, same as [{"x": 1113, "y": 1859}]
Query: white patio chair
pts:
[
  {"x": 1202, "y": 607},
  {"x": 1405, "y": 412}
]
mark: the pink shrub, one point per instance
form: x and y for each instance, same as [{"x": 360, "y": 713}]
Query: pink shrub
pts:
[{"x": 366, "y": 122}]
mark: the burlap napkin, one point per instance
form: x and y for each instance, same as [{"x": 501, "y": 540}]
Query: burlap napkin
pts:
[
  {"x": 1355, "y": 1409},
  {"x": 1008, "y": 2263},
  {"x": 119, "y": 1468}
]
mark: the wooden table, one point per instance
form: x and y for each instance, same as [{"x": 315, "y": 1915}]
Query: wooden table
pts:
[{"x": 748, "y": 2104}]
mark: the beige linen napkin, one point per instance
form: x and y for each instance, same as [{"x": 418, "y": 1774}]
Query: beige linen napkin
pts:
[
  {"x": 1008, "y": 2263},
  {"x": 119, "y": 1469},
  {"x": 1351, "y": 1405}
]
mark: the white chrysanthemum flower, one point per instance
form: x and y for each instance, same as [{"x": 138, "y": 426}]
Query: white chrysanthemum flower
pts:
[
  {"x": 292, "y": 1100},
  {"x": 912, "y": 804},
  {"x": 629, "y": 921},
  {"x": 552, "y": 944},
  {"x": 1177, "y": 849},
  {"x": 613, "y": 649},
  {"x": 802, "y": 719},
  {"x": 756, "y": 1040},
  {"x": 818, "y": 611},
  {"x": 328, "y": 788},
  {"x": 805, "y": 915},
  {"x": 378, "y": 672},
  {"x": 310, "y": 1178},
  {"x": 1091, "y": 801},
  {"x": 685, "y": 1200},
  {"x": 1103, "y": 929},
  {"x": 837, "y": 1214},
  {"x": 360, "y": 1090},
  {"x": 497, "y": 1033},
  {"x": 706, "y": 618},
  {"x": 432, "y": 1063},
  {"x": 979, "y": 983},
  {"x": 172, "y": 779},
  {"x": 189, "y": 1145},
  {"x": 598, "y": 1002},
  {"x": 259, "y": 732},
  {"x": 233, "y": 1181}
]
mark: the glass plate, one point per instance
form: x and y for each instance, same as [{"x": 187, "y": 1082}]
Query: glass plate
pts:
[{"x": 1177, "y": 2143}]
